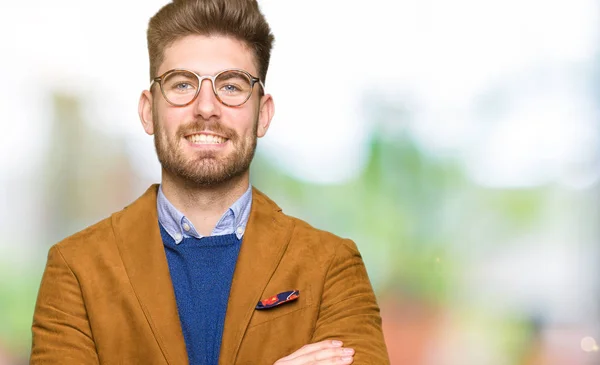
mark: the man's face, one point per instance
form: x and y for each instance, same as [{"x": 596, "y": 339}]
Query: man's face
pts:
[{"x": 206, "y": 143}]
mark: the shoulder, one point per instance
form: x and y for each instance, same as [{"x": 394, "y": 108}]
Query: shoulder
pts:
[
  {"x": 305, "y": 229},
  {"x": 323, "y": 240},
  {"x": 99, "y": 239},
  {"x": 306, "y": 235},
  {"x": 87, "y": 241}
]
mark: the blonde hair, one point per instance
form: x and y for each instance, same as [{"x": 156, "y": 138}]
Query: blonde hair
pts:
[{"x": 239, "y": 19}]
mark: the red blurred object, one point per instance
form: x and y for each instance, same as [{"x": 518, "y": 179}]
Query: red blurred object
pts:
[{"x": 408, "y": 327}]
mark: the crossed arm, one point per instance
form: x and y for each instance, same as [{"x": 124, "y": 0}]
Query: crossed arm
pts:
[
  {"x": 61, "y": 330},
  {"x": 349, "y": 325}
]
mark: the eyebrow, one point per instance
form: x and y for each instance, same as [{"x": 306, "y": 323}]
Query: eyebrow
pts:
[
  {"x": 230, "y": 76},
  {"x": 201, "y": 74}
]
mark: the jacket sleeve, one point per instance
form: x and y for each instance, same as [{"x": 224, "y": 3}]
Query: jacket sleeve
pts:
[
  {"x": 349, "y": 310},
  {"x": 61, "y": 330}
]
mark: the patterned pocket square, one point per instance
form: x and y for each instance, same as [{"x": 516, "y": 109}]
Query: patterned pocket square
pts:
[{"x": 275, "y": 300}]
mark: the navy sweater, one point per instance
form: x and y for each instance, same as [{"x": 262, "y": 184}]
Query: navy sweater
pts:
[{"x": 201, "y": 272}]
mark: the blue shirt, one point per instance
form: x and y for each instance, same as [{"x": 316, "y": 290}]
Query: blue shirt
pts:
[{"x": 234, "y": 220}]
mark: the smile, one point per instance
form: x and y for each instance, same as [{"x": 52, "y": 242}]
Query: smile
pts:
[{"x": 202, "y": 138}]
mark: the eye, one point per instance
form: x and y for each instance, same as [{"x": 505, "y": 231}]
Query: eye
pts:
[
  {"x": 230, "y": 88},
  {"x": 183, "y": 86}
]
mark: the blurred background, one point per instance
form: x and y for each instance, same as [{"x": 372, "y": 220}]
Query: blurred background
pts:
[{"x": 457, "y": 142}]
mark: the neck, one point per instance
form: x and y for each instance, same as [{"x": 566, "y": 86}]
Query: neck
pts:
[{"x": 203, "y": 205}]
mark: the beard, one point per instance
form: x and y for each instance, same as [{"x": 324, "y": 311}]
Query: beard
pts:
[{"x": 204, "y": 169}]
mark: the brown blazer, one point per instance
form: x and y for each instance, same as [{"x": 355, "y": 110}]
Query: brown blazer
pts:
[{"x": 106, "y": 295}]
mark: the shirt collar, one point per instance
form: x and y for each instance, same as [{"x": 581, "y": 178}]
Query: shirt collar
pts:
[{"x": 234, "y": 220}]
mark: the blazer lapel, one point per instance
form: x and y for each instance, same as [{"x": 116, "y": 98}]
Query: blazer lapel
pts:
[
  {"x": 265, "y": 240},
  {"x": 141, "y": 248}
]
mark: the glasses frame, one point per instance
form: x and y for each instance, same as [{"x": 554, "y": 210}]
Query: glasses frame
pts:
[{"x": 201, "y": 78}]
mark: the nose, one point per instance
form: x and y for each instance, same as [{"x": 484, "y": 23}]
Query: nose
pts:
[{"x": 206, "y": 104}]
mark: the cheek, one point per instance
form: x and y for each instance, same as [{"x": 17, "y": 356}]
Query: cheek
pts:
[
  {"x": 169, "y": 121},
  {"x": 241, "y": 121}
]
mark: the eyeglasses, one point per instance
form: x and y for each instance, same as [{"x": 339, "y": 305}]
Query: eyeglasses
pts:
[{"x": 231, "y": 87}]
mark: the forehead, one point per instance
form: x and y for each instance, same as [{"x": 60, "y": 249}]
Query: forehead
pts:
[{"x": 208, "y": 55}]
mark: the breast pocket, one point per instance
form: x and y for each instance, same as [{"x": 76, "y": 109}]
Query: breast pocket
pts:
[
  {"x": 280, "y": 303},
  {"x": 277, "y": 332}
]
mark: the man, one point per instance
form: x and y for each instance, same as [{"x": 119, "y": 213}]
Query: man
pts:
[{"x": 205, "y": 269}]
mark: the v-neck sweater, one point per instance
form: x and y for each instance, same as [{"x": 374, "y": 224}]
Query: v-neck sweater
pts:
[{"x": 201, "y": 271}]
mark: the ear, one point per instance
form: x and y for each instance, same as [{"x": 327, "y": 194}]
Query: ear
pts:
[
  {"x": 265, "y": 114},
  {"x": 145, "y": 111}
]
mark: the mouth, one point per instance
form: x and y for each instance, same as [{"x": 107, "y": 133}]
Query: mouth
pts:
[{"x": 204, "y": 138}]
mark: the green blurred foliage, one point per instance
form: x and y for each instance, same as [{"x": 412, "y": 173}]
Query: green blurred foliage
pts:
[
  {"x": 406, "y": 210},
  {"x": 18, "y": 290}
]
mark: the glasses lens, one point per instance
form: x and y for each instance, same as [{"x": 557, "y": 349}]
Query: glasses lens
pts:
[
  {"x": 233, "y": 87},
  {"x": 179, "y": 87}
]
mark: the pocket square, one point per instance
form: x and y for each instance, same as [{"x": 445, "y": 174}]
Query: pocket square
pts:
[{"x": 275, "y": 300}]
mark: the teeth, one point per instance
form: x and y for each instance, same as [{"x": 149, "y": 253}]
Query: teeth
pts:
[{"x": 205, "y": 139}]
